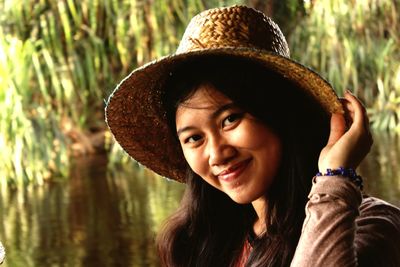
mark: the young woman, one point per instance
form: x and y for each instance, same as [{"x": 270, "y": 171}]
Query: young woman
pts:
[{"x": 247, "y": 129}]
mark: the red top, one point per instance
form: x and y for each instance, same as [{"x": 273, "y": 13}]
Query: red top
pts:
[{"x": 244, "y": 255}]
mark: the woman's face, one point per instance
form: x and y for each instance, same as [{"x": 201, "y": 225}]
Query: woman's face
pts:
[{"x": 227, "y": 147}]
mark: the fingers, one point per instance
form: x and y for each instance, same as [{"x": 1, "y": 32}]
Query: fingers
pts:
[
  {"x": 347, "y": 145},
  {"x": 355, "y": 111},
  {"x": 349, "y": 112},
  {"x": 358, "y": 117}
]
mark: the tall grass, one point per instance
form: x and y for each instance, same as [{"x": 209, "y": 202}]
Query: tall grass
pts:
[
  {"x": 32, "y": 148},
  {"x": 59, "y": 60},
  {"x": 356, "y": 45}
]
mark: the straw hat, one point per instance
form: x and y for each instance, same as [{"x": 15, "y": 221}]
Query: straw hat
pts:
[{"x": 135, "y": 113}]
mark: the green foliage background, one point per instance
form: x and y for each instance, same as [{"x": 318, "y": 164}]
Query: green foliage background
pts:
[{"x": 59, "y": 60}]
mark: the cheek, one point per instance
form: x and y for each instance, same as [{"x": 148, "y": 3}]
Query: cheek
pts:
[
  {"x": 253, "y": 136},
  {"x": 270, "y": 154},
  {"x": 261, "y": 141},
  {"x": 195, "y": 161}
]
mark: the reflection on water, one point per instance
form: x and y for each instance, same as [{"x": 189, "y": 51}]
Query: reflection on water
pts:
[
  {"x": 381, "y": 168},
  {"x": 91, "y": 220},
  {"x": 95, "y": 219}
]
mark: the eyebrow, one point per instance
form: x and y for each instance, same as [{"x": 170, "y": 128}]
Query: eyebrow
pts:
[{"x": 214, "y": 115}]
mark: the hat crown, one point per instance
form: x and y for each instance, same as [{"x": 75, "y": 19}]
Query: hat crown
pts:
[{"x": 236, "y": 26}]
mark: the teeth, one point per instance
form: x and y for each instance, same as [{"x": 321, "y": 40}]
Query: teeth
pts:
[
  {"x": 231, "y": 169},
  {"x": 234, "y": 168}
]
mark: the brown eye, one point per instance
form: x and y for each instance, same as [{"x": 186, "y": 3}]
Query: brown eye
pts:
[
  {"x": 192, "y": 139},
  {"x": 231, "y": 119}
]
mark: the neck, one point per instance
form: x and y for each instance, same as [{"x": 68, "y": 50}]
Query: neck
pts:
[{"x": 260, "y": 206}]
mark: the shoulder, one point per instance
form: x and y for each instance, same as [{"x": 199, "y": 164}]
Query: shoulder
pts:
[
  {"x": 376, "y": 205},
  {"x": 377, "y": 236},
  {"x": 377, "y": 213}
]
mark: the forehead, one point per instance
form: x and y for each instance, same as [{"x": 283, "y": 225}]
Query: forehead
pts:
[
  {"x": 205, "y": 97},
  {"x": 204, "y": 103}
]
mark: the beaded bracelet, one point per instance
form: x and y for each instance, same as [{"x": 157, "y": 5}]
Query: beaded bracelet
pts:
[{"x": 345, "y": 172}]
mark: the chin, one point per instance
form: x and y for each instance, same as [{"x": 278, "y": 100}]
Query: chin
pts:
[{"x": 241, "y": 199}]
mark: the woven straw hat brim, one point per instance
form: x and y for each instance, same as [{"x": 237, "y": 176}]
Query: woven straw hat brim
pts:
[{"x": 136, "y": 117}]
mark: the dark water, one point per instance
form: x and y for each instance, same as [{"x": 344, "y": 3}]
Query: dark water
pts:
[
  {"x": 99, "y": 219},
  {"x": 94, "y": 219}
]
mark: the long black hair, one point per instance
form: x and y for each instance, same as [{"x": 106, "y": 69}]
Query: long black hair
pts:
[{"x": 209, "y": 229}]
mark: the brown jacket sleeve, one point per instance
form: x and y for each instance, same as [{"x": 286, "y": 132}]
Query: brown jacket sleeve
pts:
[{"x": 342, "y": 228}]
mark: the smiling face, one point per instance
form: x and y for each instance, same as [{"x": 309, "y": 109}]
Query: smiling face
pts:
[{"x": 226, "y": 146}]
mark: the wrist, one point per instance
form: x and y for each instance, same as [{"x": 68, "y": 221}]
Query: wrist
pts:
[{"x": 348, "y": 173}]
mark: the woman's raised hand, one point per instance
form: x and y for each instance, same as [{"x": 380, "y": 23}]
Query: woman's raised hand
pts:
[{"x": 348, "y": 144}]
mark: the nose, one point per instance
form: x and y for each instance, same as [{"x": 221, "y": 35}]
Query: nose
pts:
[{"x": 220, "y": 151}]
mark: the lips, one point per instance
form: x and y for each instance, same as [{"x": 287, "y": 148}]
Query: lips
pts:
[{"x": 234, "y": 171}]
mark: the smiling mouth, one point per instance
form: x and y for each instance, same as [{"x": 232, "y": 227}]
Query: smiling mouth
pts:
[{"x": 234, "y": 171}]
